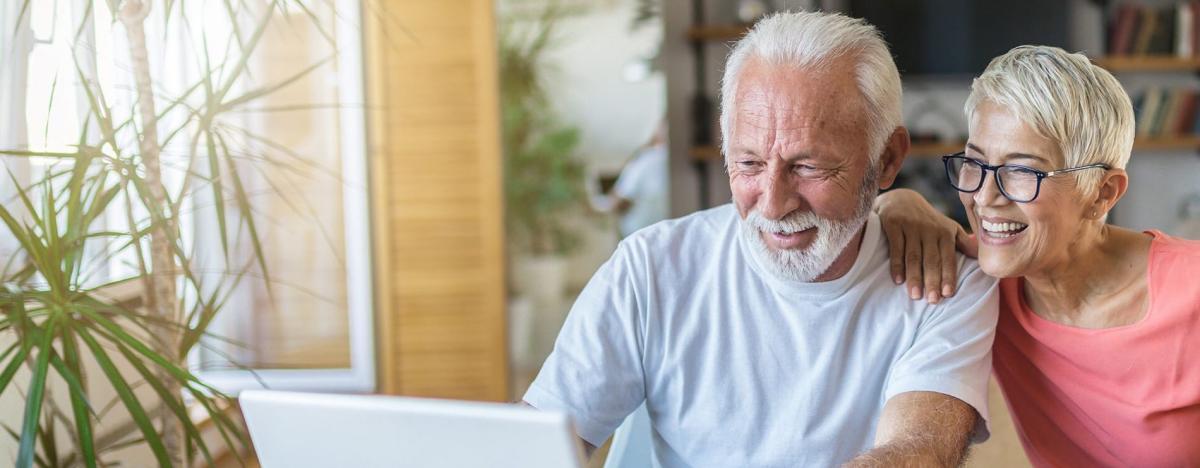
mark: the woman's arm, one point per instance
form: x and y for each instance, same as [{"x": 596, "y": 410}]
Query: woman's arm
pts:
[{"x": 921, "y": 244}]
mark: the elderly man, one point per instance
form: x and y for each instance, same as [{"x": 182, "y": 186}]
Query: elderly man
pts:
[{"x": 769, "y": 332}]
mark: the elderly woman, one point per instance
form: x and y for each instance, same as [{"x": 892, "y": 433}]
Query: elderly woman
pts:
[{"x": 1098, "y": 345}]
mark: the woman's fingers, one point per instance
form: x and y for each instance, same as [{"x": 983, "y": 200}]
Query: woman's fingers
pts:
[
  {"x": 949, "y": 266},
  {"x": 921, "y": 245},
  {"x": 913, "y": 256},
  {"x": 895, "y": 238},
  {"x": 932, "y": 269}
]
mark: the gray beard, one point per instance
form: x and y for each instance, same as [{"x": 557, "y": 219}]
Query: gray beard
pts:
[{"x": 832, "y": 237}]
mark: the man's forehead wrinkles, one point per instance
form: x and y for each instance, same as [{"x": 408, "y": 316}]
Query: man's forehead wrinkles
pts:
[
  {"x": 776, "y": 112},
  {"x": 767, "y": 125},
  {"x": 789, "y": 120}
]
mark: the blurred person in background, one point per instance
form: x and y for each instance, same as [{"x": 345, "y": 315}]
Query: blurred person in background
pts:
[{"x": 640, "y": 197}]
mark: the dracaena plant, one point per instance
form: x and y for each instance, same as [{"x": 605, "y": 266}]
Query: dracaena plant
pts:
[{"x": 64, "y": 322}]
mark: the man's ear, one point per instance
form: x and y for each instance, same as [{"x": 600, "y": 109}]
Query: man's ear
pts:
[
  {"x": 1113, "y": 186},
  {"x": 893, "y": 156}
]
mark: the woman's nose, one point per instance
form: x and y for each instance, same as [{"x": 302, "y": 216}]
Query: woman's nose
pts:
[{"x": 989, "y": 193}]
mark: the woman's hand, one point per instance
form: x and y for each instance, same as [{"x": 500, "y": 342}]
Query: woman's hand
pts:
[{"x": 921, "y": 244}]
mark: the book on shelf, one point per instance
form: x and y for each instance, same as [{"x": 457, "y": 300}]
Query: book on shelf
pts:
[
  {"x": 1166, "y": 113},
  {"x": 1195, "y": 123},
  {"x": 1135, "y": 29},
  {"x": 1187, "y": 115},
  {"x": 1171, "y": 114},
  {"x": 1121, "y": 29},
  {"x": 1146, "y": 109}
]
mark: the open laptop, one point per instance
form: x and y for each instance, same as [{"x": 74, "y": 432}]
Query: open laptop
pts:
[{"x": 320, "y": 430}]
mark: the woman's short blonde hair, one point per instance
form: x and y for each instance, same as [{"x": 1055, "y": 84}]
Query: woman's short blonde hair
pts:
[{"x": 1065, "y": 98}]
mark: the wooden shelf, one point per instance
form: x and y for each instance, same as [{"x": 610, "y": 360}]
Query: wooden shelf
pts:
[
  {"x": 716, "y": 32},
  {"x": 1188, "y": 142},
  {"x": 936, "y": 150},
  {"x": 705, "y": 153},
  {"x": 1148, "y": 63}
]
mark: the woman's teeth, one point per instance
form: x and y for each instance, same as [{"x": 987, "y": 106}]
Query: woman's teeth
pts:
[{"x": 1002, "y": 230}]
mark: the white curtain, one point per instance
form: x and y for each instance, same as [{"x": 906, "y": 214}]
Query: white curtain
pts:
[{"x": 14, "y": 60}]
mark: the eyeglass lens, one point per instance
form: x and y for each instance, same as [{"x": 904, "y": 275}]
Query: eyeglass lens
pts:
[{"x": 1019, "y": 184}]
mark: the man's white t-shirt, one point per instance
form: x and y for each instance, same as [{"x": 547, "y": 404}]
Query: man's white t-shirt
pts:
[{"x": 740, "y": 368}]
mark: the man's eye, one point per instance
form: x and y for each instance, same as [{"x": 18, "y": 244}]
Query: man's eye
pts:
[
  {"x": 748, "y": 164},
  {"x": 805, "y": 169}
]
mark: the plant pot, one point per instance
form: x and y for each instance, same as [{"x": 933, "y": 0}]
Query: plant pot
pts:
[
  {"x": 542, "y": 279},
  {"x": 522, "y": 336}
]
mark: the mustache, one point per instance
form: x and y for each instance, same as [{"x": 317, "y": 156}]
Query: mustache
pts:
[{"x": 794, "y": 222}]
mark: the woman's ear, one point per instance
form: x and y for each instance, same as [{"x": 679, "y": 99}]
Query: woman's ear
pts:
[{"x": 1113, "y": 186}]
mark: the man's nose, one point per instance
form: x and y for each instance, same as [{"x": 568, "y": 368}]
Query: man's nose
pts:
[{"x": 778, "y": 198}]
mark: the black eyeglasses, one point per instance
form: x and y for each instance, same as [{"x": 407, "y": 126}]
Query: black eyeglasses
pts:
[{"x": 1018, "y": 183}]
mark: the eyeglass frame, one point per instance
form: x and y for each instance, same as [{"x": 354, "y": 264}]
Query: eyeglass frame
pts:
[{"x": 1040, "y": 174}]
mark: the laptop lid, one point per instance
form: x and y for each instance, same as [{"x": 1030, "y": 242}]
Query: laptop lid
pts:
[{"x": 292, "y": 429}]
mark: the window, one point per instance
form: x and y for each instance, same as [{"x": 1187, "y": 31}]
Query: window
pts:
[
  {"x": 302, "y": 154},
  {"x": 312, "y": 330}
]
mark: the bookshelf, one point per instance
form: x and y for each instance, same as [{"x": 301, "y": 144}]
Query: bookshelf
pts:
[
  {"x": 1114, "y": 63},
  {"x": 1141, "y": 55}
]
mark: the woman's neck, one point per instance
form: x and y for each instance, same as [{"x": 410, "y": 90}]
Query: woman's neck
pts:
[{"x": 1100, "y": 283}]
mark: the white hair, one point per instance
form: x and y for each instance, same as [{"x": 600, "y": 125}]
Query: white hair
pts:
[
  {"x": 812, "y": 40},
  {"x": 1065, "y": 98}
]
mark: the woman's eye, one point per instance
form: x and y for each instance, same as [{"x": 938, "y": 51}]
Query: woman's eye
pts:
[{"x": 1022, "y": 173}]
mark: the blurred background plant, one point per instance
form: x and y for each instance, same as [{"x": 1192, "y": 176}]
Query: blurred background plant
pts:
[{"x": 543, "y": 178}]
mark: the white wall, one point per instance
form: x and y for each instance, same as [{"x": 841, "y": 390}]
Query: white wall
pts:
[{"x": 588, "y": 89}]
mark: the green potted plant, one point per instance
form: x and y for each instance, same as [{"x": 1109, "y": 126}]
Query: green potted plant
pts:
[
  {"x": 73, "y": 336},
  {"x": 543, "y": 179}
]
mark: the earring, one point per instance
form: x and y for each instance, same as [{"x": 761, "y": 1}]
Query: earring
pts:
[{"x": 1095, "y": 214}]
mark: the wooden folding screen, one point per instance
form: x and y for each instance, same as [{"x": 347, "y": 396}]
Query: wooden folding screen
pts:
[{"x": 437, "y": 214}]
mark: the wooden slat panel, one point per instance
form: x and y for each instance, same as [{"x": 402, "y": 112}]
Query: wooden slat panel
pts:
[{"x": 438, "y": 215}]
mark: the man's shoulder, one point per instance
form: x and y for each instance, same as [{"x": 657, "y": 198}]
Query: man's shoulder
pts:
[
  {"x": 681, "y": 246},
  {"x": 971, "y": 277},
  {"x": 700, "y": 228}
]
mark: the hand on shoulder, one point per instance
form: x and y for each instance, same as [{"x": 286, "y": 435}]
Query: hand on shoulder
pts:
[{"x": 921, "y": 244}]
